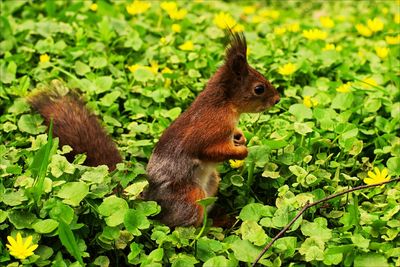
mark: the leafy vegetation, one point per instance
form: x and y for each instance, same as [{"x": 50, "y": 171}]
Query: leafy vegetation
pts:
[{"x": 139, "y": 65}]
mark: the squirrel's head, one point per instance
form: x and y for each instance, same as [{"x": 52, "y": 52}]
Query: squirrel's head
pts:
[{"x": 247, "y": 89}]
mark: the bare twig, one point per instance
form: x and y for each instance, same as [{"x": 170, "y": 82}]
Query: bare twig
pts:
[{"x": 309, "y": 205}]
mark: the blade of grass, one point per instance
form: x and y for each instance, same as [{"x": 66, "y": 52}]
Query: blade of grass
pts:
[
  {"x": 42, "y": 157},
  {"x": 67, "y": 238}
]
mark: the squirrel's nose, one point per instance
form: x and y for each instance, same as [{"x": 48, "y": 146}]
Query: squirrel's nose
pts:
[{"x": 277, "y": 100}]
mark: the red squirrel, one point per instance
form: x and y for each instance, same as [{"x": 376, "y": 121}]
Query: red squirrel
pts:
[{"x": 182, "y": 167}]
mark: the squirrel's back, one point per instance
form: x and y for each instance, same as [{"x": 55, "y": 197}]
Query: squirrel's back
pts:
[{"x": 77, "y": 127}]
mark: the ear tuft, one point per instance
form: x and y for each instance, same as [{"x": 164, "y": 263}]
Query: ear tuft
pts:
[{"x": 236, "y": 51}]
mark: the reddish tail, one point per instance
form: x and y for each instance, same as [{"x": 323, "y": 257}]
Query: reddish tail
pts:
[{"x": 75, "y": 126}]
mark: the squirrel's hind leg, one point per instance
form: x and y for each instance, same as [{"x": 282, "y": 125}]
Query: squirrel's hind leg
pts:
[{"x": 179, "y": 207}]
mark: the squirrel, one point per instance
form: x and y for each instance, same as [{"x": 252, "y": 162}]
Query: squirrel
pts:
[{"x": 182, "y": 167}]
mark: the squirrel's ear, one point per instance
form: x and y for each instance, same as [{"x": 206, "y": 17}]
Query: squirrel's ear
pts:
[
  {"x": 239, "y": 65},
  {"x": 235, "y": 58}
]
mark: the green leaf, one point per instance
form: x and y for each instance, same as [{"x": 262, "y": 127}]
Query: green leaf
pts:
[
  {"x": 216, "y": 261},
  {"x": 60, "y": 165},
  {"x": 73, "y": 193},
  {"x": 208, "y": 201},
  {"x": 81, "y": 68},
  {"x": 183, "y": 260},
  {"x": 245, "y": 251},
  {"x": 286, "y": 245},
  {"x": 102, "y": 261},
  {"x": 31, "y": 124},
  {"x": 251, "y": 231},
  {"x": 300, "y": 111},
  {"x": 297, "y": 170},
  {"x": 393, "y": 164},
  {"x": 3, "y": 215},
  {"x": 255, "y": 211},
  {"x": 114, "y": 209},
  {"x": 135, "y": 221},
  {"x": 68, "y": 240},
  {"x": 62, "y": 212},
  {"x": 143, "y": 75},
  {"x": 95, "y": 175},
  {"x": 7, "y": 75},
  {"x": 110, "y": 98},
  {"x": 317, "y": 229},
  {"x": 45, "y": 226},
  {"x": 302, "y": 128},
  {"x": 40, "y": 164},
  {"x": 370, "y": 260},
  {"x": 21, "y": 219},
  {"x": 360, "y": 241},
  {"x": 313, "y": 249},
  {"x": 103, "y": 84},
  {"x": 98, "y": 62},
  {"x": 342, "y": 101}
]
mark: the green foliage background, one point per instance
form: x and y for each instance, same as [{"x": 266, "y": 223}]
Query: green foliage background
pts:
[{"x": 298, "y": 152}]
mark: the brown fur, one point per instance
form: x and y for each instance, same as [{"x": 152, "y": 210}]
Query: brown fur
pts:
[
  {"x": 75, "y": 126},
  {"x": 204, "y": 135}
]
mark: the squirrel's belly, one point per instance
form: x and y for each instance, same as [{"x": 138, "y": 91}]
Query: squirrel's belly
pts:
[{"x": 203, "y": 173}]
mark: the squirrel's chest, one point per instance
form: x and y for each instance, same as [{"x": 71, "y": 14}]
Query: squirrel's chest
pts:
[{"x": 204, "y": 174}]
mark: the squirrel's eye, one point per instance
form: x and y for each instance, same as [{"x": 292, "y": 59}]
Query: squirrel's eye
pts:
[{"x": 259, "y": 90}]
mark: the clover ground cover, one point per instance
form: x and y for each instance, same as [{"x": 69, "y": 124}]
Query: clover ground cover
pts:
[{"x": 138, "y": 66}]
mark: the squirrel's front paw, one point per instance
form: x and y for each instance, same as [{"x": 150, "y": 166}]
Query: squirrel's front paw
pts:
[{"x": 238, "y": 138}]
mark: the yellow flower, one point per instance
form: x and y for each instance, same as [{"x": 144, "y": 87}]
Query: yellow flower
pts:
[
  {"x": 344, "y": 88},
  {"x": 287, "y": 69},
  {"x": 166, "y": 70},
  {"x": 224, "y": 20},
  {"x": 44, "y": 58},
  {"x": 238, "y": 28},
  {"x": 236, "y": 163},
  {"x": 249, "y": 10},
  {"x": 163, "y": 41},
  {"x": 375, "y": 24},
  {"x": 329, "y": 47},
  {"x": 177, "y": 14},
  {"x": 314, "y": 34},
  {"x": 176, "y": 28},
  {"x": 363, "y": 30},
  {"x": 169, "y": 6},
  {"x": 20, "y": 249},
  {"x": 397, "y": 18},
  {"x": 369, "y": 83},
  {"x": 393, "y": 40},
  {"x": 270, "y": 13},
  {"x": 153, "y": 67},
  {"x": 327, "y": 22},
  {"x": 309, "y": 102},
  {"x": 93, "y": 7},
  {"x": 293, "y": 27},
  {"x": 382, "y": 52},
  {"x": 133, "y": 68},
  {"x": 137, "y": 7},
  {"x": 279, "y": 30},
  {"x": 339, "y": 48},
  {"x": 257, "y": 19},
  {"x": 377, "y": 177},
  {"x": 187, "y": 46}
]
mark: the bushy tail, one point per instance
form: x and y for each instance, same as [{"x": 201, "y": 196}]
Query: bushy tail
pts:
[{"x": 75, "y": 126}]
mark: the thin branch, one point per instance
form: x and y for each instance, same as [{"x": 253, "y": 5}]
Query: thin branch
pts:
[{"x": 309, "y": 205}]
